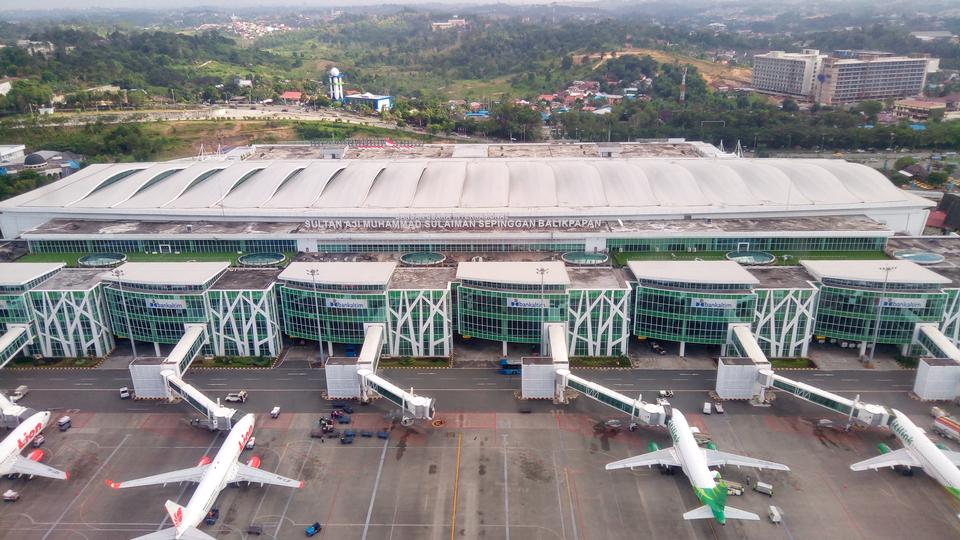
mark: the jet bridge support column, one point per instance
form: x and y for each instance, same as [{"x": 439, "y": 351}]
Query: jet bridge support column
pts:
[
  {"x": 357, "y": 378},
  {"x": 217, "y": 416},
  {"x": 938, "y": 376},
  {"x": 146, "y": 373},
  {"x": 738, "y": 376}
]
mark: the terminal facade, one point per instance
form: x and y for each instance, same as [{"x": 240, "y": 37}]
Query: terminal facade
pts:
[{"x": 444, "y": 243}]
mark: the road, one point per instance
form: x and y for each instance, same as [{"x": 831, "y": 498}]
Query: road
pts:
[{"x": 455, "y": 390}]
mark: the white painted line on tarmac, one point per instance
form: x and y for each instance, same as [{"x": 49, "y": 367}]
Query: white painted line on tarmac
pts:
[
  {"x": 83, "y": 384},
  {"x": 292, "y": 491},
  {"x": 849, "y": 380},
  {"x": 823, "y": 374},
  {"x": 376, "y": 486},
  {"x": 85, "y": 486},
  {"x": 506, "y": 488},
  {"x": 216, "y": 384}
]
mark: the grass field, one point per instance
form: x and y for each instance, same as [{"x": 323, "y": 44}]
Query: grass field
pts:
[
  {"x": 70, "y": 259},
  {"x": 413, "y": 362},
  {"x": 793, "y": 258},
  {"x": 792, "y": 363},
  {"x": 600, "y": 361},
  {"x": 714, "y": 73}
]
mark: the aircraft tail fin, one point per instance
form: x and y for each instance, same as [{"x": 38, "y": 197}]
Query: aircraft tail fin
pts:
[
  {"x": 176, "y": 516},
  {"x": 704, "y": 512}
]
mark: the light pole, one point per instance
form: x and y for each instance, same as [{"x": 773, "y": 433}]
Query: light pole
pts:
[
  {"x": 542, "y": 272},
  {"x": 883, "y": 294},
  {"x": 118, "y": 273},
  {"x": 316, "y": 299}
]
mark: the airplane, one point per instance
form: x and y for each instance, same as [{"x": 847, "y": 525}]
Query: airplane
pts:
[
  {"x": 695, "y": 462},
  {"x": 11, "y": 462},
  {"x": 212, "y": 476},
  {"x": 918, "y": 451}
]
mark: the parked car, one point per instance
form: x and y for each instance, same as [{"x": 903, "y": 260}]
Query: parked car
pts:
[
  {"x": 125, "y": 393},
  {"x": 313, "y": 529},
  {"x": 657, "y": 348},
  {"x": 11, "y": 496},
  {"x": 237, "y": 397},
  {"x": 64, "y": 423},
  {"x": 718, "y": 407},
  {"x": 38, "y": 441},
  {"x": 275, "y": 412},
  {"x": 707, "y": 407}
]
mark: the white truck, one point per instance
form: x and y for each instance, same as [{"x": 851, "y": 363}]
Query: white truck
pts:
[
  {"x": 19, "y": 393},
  {"x": 948, "y": 427},
  {"x": 236, "y": 397}
]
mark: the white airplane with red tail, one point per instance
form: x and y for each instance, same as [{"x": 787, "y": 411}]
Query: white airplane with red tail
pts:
[
  {"x": 211, "y": 477},
  {"x": 11, "y": 462}
]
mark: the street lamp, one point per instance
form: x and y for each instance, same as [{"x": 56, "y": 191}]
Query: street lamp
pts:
[
  {"x": 542, "y": 271},
  {"x": 118, "y": 273},
  {"x": 883, "y": 294},
  {"x": 316, "y": 300}
]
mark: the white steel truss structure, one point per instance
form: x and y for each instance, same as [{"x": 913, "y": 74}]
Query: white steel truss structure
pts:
[
  {"x": 598, "y": 322},
  {"x": 244, "y": 323},
  {"x": 419, "y": 322},
  {"x": 950, "y": 326},
  {"x": 784, "y": 320},
  {"x": 71, "y": 323}
]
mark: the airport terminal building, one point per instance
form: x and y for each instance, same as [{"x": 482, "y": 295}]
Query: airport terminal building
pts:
[{"x": 622, "y": 243}]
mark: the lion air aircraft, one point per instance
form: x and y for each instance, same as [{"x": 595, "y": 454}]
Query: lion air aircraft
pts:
[
  {"x": 11, "y": 462},
  {"x": 212, "y": 477}
]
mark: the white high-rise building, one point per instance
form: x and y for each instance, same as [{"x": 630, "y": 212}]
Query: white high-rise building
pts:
[
  {"x": 787, "y": 73},
  {"x": 854, "y": 76},
  {"x": 335, "y": 79}
]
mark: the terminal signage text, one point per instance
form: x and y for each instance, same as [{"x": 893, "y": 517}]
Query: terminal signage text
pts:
[
  {"x": 345, "y": 303},
  {"x": 527, "y": 303},
  {"x": 713, "y": 303},
  {"x": 910, "y": 303},
  {"x": 166, "y": 303},
  {"x": 426, "y": 222}
]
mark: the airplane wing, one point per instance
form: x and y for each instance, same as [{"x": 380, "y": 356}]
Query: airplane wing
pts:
[
  {"x": 717, "y": 458},
  {"x": 171, "y": 533},
  {"x": 890, "y": 459},
  {"x": 246, "y": 473},
  {"x": 954, "y": 457},
  {"x": 665, "y": 456},
  {"x": 193, "y": 474},
  {"x": 28, "y": 466}
]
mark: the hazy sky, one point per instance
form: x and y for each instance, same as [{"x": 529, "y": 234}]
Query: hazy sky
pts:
[{"x": 160, "y": 4}]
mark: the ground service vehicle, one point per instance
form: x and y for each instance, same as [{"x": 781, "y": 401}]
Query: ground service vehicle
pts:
[
  {"x": 948, "y": 427},
  {"x": 237, "y": 397},
  {"x": 734, "y": 488},
  {"x": 19, "y": 393},
  {"x": 666, "y": 393},
  {"x": 275, "y": 412},
  {"x": 124, "y": 393},
  {"x": 707, "y": 408},
  {"x": 718, "y": 407},
  {"x": 11, "y": 496},
  {"x": 763, "y": 487},
  {"x": 64, "y": 423},
  {"x": 775, "y": 515},
  {"x": 313, "y": 529},
  {"x": 212, "y": 516}
]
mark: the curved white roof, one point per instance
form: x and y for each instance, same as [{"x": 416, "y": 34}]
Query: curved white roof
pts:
[{"x": 517, "y": 187}]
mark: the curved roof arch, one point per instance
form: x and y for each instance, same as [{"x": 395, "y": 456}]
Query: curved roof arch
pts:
[{"x": 303, "y": 189}]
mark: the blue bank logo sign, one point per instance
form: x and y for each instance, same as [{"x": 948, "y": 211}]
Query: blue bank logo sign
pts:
[
  {"x": 908, "y": 303},
  {"x": 166, "y": 303},
  {"x": 713, "y": 303},
  {"x": 523, "y": 303},
  {"x": 345, "y": 303}
]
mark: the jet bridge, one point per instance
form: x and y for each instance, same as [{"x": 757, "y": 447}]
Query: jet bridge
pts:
[
  {"x": 754, "y": 375},
  {"x": 12, "y": 342},
  {"x": 938, "y": 373},
  {"x": 357, "y": 378},
  {"x": 533, "y": 370},
  {"x": 164, "y": 379}
]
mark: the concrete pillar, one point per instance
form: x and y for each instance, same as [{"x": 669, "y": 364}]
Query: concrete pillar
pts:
[
  {"x": 329, "y": 348},
  {"x": 156, "y": 347},
  {"x": 863, "y": 348},
  {"x": 504, "y": 349},
  {"x": 683, "y": 348},
  {"x": 723, "y": 350}
]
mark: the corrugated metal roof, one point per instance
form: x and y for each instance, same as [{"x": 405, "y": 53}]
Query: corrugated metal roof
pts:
[{"x": 654, "y": 186}]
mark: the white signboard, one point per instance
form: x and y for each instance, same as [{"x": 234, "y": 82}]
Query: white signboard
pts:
[
  {"x": 713, "y": 303},
  {"x": 909, "y": 303},
  {"x": 165, "y": 303},
  {"x": 3, "y": 304},
  {"x": 345, "y": 303},
  {"x": 527, "y": 303}
]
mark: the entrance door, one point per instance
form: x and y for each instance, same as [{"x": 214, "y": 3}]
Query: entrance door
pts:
[
  {"x": 743, "y": 246},
  {"x": 165, "y": 248}
]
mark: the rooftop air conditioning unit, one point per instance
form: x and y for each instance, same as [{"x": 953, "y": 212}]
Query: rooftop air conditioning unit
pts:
[{"x": 189, "y": 227}]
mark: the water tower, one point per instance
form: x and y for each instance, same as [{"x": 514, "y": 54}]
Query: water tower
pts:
[{"x": 336, "y": 84}]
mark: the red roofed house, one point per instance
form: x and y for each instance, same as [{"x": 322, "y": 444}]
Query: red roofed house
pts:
[{"x": 291, "y": 95}]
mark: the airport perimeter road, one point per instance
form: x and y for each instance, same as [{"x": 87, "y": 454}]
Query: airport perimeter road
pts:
[{"x": 456, "y": 390}]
